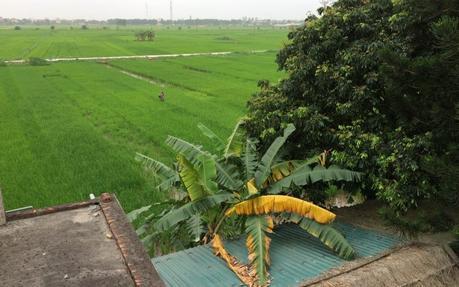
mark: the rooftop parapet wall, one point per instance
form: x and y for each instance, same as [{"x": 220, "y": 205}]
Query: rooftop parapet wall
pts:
[
  {"x": 2, "y": 210},
  {"x": 87, "y": 243}
]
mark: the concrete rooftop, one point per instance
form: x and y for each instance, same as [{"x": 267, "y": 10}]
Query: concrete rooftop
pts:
[{"x": 88, "y": 244}]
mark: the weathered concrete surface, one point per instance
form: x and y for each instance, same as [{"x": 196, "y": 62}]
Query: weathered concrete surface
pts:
[
  {"x": 65, "y": 249},
  {"x": 415, "y": 265}
]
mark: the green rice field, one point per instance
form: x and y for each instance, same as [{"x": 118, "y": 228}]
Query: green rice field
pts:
[
  {"x": 64, "y": 42},
  {"x": 71, "y": 129}
]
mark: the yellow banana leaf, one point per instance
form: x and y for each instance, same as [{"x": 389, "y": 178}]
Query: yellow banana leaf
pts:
[
  {"x": 251, "y": 187},
  {"x": 277, "y": 174},
  {"x": 283, "y": 169},
  {"x": 282, "y": 203},
  {"x": 242, "y": 271}
]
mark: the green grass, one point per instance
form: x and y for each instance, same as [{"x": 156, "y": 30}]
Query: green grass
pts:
[
  {"x": 63, "y": 42},
  {"x": 70, "y": 129}
]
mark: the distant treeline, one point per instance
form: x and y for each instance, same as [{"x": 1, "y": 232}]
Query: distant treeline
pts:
[{"x": 125, "y": 22}]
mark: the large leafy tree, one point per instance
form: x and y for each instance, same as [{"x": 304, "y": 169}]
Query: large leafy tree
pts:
[
  {"x": 238, "y": 189},
  {"x": 377, "y": 83}
]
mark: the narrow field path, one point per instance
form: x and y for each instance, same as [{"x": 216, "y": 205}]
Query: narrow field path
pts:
[
  {"x": 102, "y": 58},
  {"x": 136, "y": 76}
]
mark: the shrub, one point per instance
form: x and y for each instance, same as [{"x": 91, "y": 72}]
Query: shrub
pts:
[
  {"x": 145, "y": 35},
  {"x": 224, "y": 38},
  {"x": 17, "y": 28},
  {"x": 439, "y": 221},
  {"x": 35, "y": 61},
  {"x": 407, "y": 227},
  {"x": 375, "y": 82},
  {"x": 455, "y": 244}
]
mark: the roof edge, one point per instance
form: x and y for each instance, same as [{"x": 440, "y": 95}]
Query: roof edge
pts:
[
  {"x": 2, "y": 210},
  {"x": 359, "y": 263},
  {"x": 134, "y": 254},
  {"x": 34, "y": 212}
]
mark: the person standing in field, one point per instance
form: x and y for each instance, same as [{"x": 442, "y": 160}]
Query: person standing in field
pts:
[{"x": 162, "y": 96}]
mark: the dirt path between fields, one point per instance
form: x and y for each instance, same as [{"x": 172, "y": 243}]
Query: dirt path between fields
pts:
[
  {"x": 136, "y": 76},
  {"x": 103, "y": 58}
]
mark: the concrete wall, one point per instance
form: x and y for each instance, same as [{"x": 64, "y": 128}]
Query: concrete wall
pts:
[{"x": 2, "y": 210}]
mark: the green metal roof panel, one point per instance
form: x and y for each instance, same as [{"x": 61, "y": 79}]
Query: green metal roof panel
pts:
[
  {"x": 295, "y": 257},
  {"x": 195, "y": 267}
]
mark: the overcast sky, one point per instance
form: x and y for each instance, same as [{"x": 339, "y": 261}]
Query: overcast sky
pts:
[{"x": 105, "y": 9}]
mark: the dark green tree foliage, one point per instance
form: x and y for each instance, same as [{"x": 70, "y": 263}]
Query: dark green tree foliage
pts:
[
  {"x": 145, "y": 35},
  {"x": 377, "y": 82}
]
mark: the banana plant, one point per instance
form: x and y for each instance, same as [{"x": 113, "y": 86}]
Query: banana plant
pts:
[{"x": 236, "y": 186}]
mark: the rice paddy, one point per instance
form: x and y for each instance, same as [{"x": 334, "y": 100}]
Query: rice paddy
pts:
[{"x": 71, "y": 129}]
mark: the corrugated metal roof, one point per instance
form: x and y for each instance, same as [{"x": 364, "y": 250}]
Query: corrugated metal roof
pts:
[{"x": 295, "y": 257}]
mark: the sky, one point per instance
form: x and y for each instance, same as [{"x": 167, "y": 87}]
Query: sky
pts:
[{"x": 182, "y": 9}]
